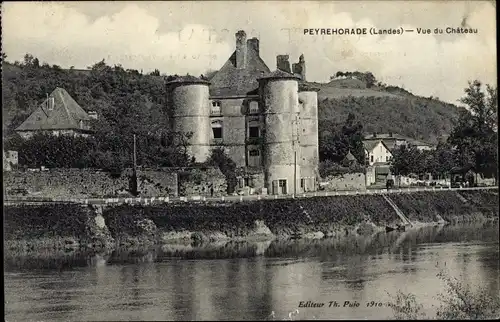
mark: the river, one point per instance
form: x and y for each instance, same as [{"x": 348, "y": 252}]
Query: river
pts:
[{"x": 247, "y": 281}]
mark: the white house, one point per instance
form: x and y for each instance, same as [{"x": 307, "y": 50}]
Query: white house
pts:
[{"x": 376, "y": 152}]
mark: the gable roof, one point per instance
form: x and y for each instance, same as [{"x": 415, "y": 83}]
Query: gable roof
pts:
[
  {"x": 279, "y": 74},
  {"x": 232, "y": 81},
  {"x": 188, "y": 79},
  {"x": 386, "y": 136},
  {"x": 65, "y": 115},
  {"x": 390, "y": 139},
  {"x": 350, "y": 157},
  {"x": 371, "y": 144}
]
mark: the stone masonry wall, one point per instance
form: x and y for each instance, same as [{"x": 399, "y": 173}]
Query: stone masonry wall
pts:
[
  {"x": 88, "y": 183},
  {"x": 197, "y": 182},
  {"x": 348, "y": 181}
]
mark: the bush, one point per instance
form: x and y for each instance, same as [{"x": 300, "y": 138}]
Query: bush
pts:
[
  {"x": 226, "y": 165},
  {"x": 459, "y": 302}
]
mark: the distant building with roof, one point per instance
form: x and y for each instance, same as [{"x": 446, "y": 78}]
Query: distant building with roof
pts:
[
  {"x": 394, "y": 140},
  {"x": 263, "y": 120},
  {"x": 378, "y": 151},
  {"x": 350, "y": 159},
  {"x": 59, "y": 114}
]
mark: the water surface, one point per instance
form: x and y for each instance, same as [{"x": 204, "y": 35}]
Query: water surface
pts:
[{"x": 246, "y": 281}]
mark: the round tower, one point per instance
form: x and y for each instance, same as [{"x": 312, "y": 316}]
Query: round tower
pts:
[
  {"x": 308, "y": 100},
  {"x": 189, "y": 112},
  {"x": 281, "y": 150}
]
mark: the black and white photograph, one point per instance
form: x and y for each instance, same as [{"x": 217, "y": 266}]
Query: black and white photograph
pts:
[{"x": 250, "y": 160}]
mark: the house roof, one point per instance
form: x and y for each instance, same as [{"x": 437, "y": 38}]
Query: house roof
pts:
[
  {"x": 390, "y": 139},
  {"x": 232, "y": 81},
  {"x": 188, "y": 79},
  {"x": 66, "y": 114},
  {"x": 350, "y": 157},
  {"x": 279, "y": 74},
  {"x": 382, "y": 169},
  {"x": 371, "y": 144},
  {"x": 388, "y": 136}
]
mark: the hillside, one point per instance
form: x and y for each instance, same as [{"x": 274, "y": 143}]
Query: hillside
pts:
[
  {"x": 112, "y": 91},
  {"x": 385, "y": 109}
]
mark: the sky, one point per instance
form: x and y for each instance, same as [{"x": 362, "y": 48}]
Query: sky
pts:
[{"x": 180, "y": 37}]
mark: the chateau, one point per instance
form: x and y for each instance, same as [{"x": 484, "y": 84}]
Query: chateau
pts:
[{"x": 267, "y": 122}]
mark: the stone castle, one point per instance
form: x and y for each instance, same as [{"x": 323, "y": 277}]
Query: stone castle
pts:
[{"x": 267, "y": 122}]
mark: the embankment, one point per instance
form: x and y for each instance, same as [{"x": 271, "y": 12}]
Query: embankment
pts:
[
  {"x": 54, "y": 226},
  {"x": 317, "y": 217}
]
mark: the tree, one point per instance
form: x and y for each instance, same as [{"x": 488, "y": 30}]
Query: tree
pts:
[
  {"x": 338, "y": 140},
  {"x": 405, "y": 160},
  {"x": 475, "y": 135},
  {"x": 353, "y": 134},
  {"x": 156, "y": 72},
  {"x": 226, "y": 165}
]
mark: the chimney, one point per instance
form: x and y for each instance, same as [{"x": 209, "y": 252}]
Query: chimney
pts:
[
  {"x": 51, "y": 103},
  {"x": 253, "y": 45},
  {"x": 282, "y": 63},
  {"x": 241, "y": 49},
  {"x": 299, "y": 68}
]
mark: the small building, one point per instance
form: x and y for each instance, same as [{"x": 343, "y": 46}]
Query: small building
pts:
[
  {"x": 394, "y": 140},
  {"x": 377, "y": 152},
  {"x": 59, "y": 114},
  {"x": 350, "y": 160}
]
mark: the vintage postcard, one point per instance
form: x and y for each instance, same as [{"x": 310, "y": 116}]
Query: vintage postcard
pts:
[{"x": 250, "y": 160}]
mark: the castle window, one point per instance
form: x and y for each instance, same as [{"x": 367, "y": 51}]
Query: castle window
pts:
[
  {"x": 371, "y": 158},
  {"x": 254, "y": 107},
  {"x": 254, "y": 158},
  {"x": 253, "y": 131},
  {"x": 217, "y": 129},
  {"x": 215, "y": 109}
]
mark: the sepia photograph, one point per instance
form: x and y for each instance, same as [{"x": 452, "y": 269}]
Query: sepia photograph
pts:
[{"x": 250, "y": 160}]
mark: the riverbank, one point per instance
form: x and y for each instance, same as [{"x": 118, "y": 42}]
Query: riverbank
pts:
[{"x": 66, "y": 225}]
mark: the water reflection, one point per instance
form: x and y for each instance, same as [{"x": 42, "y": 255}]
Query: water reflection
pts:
[{"x": 242, "y": 280}]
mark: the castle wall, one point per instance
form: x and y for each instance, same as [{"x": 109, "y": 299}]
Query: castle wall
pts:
[
  {"x": 88, "y": 183},
  {"x": 234, "y": 120},
  {"x": 190, "y": 113},
  {"x": 280, "y": 102},
  {"x": 309, "y": 139}
]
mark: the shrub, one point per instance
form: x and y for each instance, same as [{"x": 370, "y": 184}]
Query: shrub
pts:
[{"x": 459, "y": 302}]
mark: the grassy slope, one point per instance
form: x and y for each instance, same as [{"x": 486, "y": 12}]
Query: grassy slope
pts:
[{"x": 385, "y": 110}]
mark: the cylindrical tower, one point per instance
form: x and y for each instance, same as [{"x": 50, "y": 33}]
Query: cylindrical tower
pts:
[
  {"x": 281, "y": 151},
  {"x": 189, "y": 112},
  {"x": 308, "y": 99}
]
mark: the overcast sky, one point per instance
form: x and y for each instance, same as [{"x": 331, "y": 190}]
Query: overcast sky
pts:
[{"x": 191, "y": 37}]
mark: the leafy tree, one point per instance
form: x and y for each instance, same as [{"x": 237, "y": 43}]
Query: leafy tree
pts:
[
  {"x": 156, "y": 72},
  {"x": 444, "y": 159},
  {"x": 227, "y": 166},
  {"x": 475, "y": 137},
  {"x": 336, "y": 142},
  {"x": 405, "y": 160}
]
